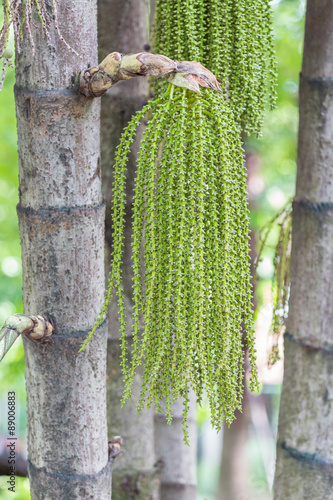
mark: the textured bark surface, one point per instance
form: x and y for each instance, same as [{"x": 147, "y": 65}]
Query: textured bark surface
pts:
[
  {"x": 123, "y": 28},
  {"x": 304, "y": 468},
  {"x": 234, "y": 470},
  {"x": 61, "y": 218},
  {"x": 53, "y": 65},
  {"x": 176, "y": 460},
  {"x": 134, "y": 473}
]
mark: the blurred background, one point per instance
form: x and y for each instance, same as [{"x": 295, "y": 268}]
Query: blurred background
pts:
[{"x": 248, "y": 453}]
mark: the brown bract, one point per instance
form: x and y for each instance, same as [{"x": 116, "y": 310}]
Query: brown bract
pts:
[
  {"x": 37, "y": 328},
  {"x": 42, "y": 330},
  {"x": 115, "y": 447},
  {"x": 94, "y": 82},
  {"x": 198, "y": 75}
]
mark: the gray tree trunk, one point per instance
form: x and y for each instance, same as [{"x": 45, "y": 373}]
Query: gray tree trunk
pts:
[
  {"x": 61, "y": 218},
  {"x": 177, "y": 460},
  {"x": 304, "y": 466},
  {"x": 123, "y": 27},
  {"x": 234, "y": 468}
]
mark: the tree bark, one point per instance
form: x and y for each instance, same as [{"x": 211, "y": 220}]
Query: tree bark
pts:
[
  {"x": 123, "y": 28},
  {"x": 61, "y": 218},
  {"x": 234, "y": 470},
  {"x": 177, "y": 461},
  {"x": 304, "y": 466}
]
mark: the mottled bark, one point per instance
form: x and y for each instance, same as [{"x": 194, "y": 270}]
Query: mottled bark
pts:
[
  {"x": 61, "y": 217},
  {"x": 176, "y": 460},
  {"x": 123, "y": 27},
  {"x": 304, "y": 466},
  {"x": 234, "y": 471}
]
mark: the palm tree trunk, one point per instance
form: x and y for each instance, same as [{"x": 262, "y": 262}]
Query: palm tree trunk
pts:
[
  {"x": 304, "y": 466},
  {"x": 61, "y": 218},
  {"x": 123, "y": 27},
  {"x": 177, "y": 461},
  {"x": 234, "y": 468}
]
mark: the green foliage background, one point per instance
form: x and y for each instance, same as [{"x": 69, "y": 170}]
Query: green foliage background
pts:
[
  {"x": 12, "y": 367},
  {"x": 276, "y": 151}
]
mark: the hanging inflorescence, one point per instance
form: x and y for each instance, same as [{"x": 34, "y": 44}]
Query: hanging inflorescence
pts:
[
  {"x": 191, "y": 280},
  {"x": 192, "y": 286},
  {"x": 190, "y": 216},
  {"x": 233, "y": 39}
]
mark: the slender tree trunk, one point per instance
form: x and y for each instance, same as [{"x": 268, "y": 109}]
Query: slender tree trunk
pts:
[
  {"x": 177, "y": 460},
  {"x": 234, "y": 471},
  {"x": 304, "y": 466},
  {"x": 123, "y": 28},
  {"x": 61, "y": 218}
]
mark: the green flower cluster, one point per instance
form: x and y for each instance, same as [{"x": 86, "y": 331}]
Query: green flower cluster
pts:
[
  {"x": 191, "y": 289},
  {"x": 233, "y": 39},
  {"x": 191, "y": 220},
  {"x": 192, "y": 286}
]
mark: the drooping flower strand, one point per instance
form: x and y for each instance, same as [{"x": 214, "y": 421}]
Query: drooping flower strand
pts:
[{"x": 191, "y": 280}]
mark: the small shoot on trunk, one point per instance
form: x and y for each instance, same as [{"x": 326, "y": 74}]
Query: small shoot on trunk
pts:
[
  {"x": 94, "y": 82},
  {"x": 36, "y": 328}
]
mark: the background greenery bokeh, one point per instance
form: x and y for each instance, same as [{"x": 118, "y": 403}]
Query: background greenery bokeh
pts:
[
  {"x": 12, "y": 366},
  {"x": 273, "y": 183}
]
